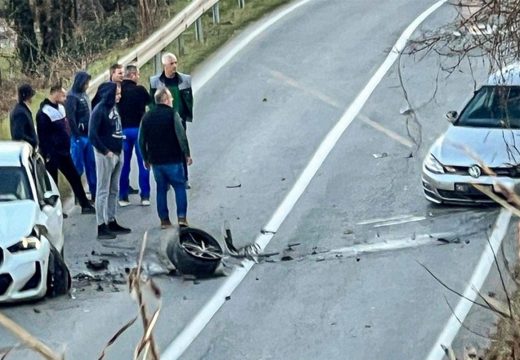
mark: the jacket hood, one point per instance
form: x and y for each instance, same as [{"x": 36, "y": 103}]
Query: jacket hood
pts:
[
  {"x": 80, "y": 79},
  {"x": 466, "y": 146},
  {"x": 107, "y": 93},
  {"x": 17, "y": 219}
]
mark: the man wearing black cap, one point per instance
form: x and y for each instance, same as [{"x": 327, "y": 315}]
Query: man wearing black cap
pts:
[{"x": 20, "y": 118}]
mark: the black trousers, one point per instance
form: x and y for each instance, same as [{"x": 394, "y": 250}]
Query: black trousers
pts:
[{"x": 64, "y": 164}]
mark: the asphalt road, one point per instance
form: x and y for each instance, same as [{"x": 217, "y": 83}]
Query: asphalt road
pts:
[{"x": 258, "y": 122}]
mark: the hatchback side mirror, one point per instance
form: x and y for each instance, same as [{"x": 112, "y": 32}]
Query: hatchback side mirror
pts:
[
  {"x": 451, "y": 116},
  {"x": 50, "y": 199}
]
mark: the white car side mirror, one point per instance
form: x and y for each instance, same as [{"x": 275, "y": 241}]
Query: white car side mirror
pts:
[
  {"x": 451, "y": 116},
  {"x": 50, "y": 198}
]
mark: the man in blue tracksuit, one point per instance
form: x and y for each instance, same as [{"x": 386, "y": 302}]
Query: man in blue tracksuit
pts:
[{"x": 77, "y": 107}]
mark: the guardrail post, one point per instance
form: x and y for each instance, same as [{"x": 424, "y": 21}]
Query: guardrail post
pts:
[
  {"x": 199, "y": 34},
  {"x": 157, "y": 63},
  {"x": 241, "y": 3},
  {"x": 180, "y": 45},
  {"x": 216, "y": 13}
]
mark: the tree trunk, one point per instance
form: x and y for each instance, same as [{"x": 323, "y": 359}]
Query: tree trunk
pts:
[{"x": 27, "y": 43}]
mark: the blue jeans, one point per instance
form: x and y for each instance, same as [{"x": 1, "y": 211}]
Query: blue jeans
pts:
[
  {"x": 167, "y": 175},
  {"x": 144, "y": 174},
  {"x": 82, "y": 154}
]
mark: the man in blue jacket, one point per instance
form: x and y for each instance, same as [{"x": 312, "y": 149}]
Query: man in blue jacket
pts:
[
  {"x": 54, "y": 136},
  {"x": 77, "y": 107},
  {"x": 106, "y": 135}
]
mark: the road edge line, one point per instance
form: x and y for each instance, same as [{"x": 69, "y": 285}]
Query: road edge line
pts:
[{"x": 476, "y": 282}]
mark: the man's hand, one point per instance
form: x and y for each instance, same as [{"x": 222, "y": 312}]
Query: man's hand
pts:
[
  {"x": 189, "y": 160},
  {"x": 110, "y": 155}
]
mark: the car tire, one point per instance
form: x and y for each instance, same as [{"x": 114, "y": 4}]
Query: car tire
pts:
[
  {"x": 58, "y": 275},
  {"x": 190, "y": 262}
]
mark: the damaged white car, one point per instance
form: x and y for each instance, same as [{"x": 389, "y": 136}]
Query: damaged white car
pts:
[{"x": 31, "y": 227}]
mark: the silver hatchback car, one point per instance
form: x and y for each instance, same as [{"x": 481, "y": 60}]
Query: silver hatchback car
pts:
[{"x": 485, "y": 133}]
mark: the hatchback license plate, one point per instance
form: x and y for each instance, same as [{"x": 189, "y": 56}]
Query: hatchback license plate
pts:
[{"x": 468, "y": 188}]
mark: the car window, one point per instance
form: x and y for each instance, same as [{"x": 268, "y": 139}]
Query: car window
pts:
[
  {"x": 41, "y": 179},
  {"x": 493, "y": 106},
  {"x": 14, "y": 184}
]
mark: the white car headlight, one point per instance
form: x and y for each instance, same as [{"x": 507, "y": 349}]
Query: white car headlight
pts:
[
  {"x": 432, "y": 164},
  {"x": 31, "y": 242}
]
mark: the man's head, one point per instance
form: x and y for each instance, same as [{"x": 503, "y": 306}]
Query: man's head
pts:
[
  {"x": 116, "y": 73},
  {"x": 163, "y": 96},
  {"x": 25, "y": 93},
  {"x": 57, "y": 94},
  {"x": 132, "y": 72},
  {"x": 169, "y": 62}
]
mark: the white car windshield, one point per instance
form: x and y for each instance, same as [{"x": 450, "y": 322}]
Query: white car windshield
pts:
[
  {"x": 14, "y": 184},
  {"x": 493, "y": 107}
]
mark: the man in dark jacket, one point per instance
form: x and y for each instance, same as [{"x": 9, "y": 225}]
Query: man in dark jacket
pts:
[
  {"x": 77, "y": 107},
  {"x": 106, "y": 135},
  {"x": 164, "y": 146},
  {"x": 20, "y": 118},
  {"x": 179, "y": 85},
  {"x": 132, "y": 107},
  {"x": 54, "y": 135}
]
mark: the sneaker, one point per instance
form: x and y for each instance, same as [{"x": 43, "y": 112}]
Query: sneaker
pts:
[
  {"x": 182, "y": 222},
  {"x": 88, "y": 209},
  {"x": 103, "y": 233},
  {"x": 124, "y": 202},
  {"x": 114, "y": 227},
  {"x": 165, "y": 223},
  {"x": 132, "y": 191},
  {"x": 145, "y": 201}
]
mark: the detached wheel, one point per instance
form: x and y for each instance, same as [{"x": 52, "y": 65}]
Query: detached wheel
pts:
[
  {"x": 195, "y": 253},
  {"x": 58, "y": 276}
]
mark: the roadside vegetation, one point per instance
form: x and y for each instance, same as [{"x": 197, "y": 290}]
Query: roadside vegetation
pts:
[{"x": 97, "y": 52}]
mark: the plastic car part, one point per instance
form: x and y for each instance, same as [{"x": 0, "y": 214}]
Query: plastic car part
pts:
[
  {"x": 58, "y": 275},
  {"x": 195, "y": 252}
]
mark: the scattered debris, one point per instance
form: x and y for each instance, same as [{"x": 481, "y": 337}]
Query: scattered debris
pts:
[
  {"x": 286, "y": 258},
  {"x": 263, "y": 231},
  {"x": 380, "y": 155},
  {"x": 283, "y": 179},
  {"x": 233, "y": 186},
  {"x": 228, "y": 298},
  {"x": 97, "y": 265},
  {"x": 264, "y": 100},
  {"x": 348, "y": 232},
  {"x": 37, "y": 311}
]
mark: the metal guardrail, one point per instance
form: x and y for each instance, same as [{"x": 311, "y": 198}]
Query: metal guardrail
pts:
[{"x": 159, "y": 39}]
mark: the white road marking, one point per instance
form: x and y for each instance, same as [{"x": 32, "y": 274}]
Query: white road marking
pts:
[
  {"x": 391, "y": 134},
  {"x": 202, "y": 318},
  {"x": 475, "y": 283},
  {"x": 404, "y": 221},
  {"x": 419, "y": 240},
  {"x": 382, "y": 220},
  {"x": 306, "y": 89}
]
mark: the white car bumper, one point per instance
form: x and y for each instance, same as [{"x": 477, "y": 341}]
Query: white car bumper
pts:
[{"x": 23, "y": 275}]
